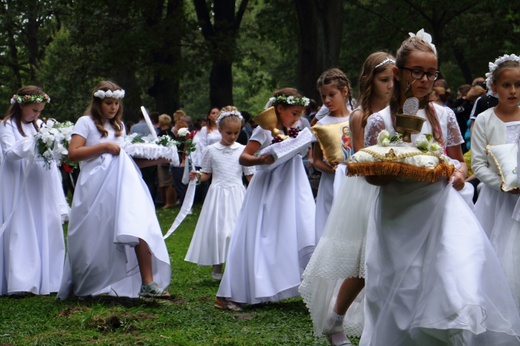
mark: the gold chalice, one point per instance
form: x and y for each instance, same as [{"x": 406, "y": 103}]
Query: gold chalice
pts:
[
  {"x": 407, "y": 125},
  {"x": 268, "y": 121}
]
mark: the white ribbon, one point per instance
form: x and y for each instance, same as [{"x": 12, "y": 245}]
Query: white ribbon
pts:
[
  {"x": 149, "y": 122},
  {"x": 185, "y": 209}
]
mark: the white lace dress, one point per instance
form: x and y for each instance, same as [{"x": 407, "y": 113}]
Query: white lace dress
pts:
[
  {"x": 274, "y": 234},
  {"x": 432, "y": 276},
  {"x": 210, "y": 242},
  {"x": 111, "y": 210},
  {"x": 340, "y": 254},
  {"x": 495, "y": 209},
  {"x": 32, "y": 248},
  {"x": 329, "y": 184}
]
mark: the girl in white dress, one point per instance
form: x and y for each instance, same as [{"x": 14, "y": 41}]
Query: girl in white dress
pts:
[
  {"x": 210, "y": 242},
  {"x": 274, "y": 233},
  {"x": 32, "y": 246},
  {"x": 336, "y": 272},
  {"x": 334, "y": 88},
  {"x": 432, "y": 277},
  {"x": 495, "y": 208},
  {"x": 115, "y": 244}
]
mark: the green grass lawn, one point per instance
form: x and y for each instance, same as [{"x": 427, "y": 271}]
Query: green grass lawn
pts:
[{"x": 188, "y": 318}]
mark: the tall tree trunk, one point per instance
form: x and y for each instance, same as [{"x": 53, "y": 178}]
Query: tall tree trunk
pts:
[
  {"x": 221, "y": 40},
  {"x": 321, "y": 26}
]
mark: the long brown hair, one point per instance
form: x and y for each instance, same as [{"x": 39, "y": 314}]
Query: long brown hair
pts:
[
  {"x": 366, "y": 79},
  {"x": 15, "y": 111},
  {"x": 403, "y": 53},
  {"x": 94, "y": 110}
]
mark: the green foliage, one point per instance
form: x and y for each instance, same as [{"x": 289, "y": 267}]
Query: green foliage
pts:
[
  {"x": 189, "y": 318},
  {"x": 156, "y": 51}
]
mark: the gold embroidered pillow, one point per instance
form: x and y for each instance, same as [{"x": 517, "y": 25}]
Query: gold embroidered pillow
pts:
[
  {"x": 334, "y": 140},
  {"x": 506, "y": 164}
]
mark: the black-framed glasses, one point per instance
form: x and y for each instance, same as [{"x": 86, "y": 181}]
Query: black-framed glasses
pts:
[{"x": 418, "y": 74}]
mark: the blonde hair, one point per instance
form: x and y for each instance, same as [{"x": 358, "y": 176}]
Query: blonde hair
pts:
[
  {"x": 178, "y": 115},
  {"x": 230, "y": 118},
  {"x": 165, "y": 120}
]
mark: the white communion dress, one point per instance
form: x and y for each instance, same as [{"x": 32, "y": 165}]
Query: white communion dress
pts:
[
  {"x": 111, "y": 209},
  {"x": 210, "y": 242},
  {"x": 31, "y": 200},
  {"x": 274, "y": 234},
  {"x": 495, "y": 209},
  {"x": 432, "y": 276}
]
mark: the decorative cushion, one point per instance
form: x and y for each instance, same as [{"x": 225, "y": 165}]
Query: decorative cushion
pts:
[
  {"x": 404, "y": 162},
  {"x": 505, "y": 162},
  {"x": 335, "y": 142},
  {"x": 152, "y": 151},
  {"x": 287, "y": 149}
]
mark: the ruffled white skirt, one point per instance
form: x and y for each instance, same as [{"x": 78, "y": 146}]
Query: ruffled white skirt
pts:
[
  {"x": 340, "y": 254},
  {"x": 495, "y": 211},
  {"x": 432, "y": 276}
]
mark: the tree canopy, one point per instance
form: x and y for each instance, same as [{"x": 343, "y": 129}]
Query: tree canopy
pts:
[{"x": 171, "y": 54}]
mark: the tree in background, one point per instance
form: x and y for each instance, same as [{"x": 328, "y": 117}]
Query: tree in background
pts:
[
  {"x": 26, "y": 29},
  {"x": 319, "y": 42},
  {"x": 219, "y": 26}
]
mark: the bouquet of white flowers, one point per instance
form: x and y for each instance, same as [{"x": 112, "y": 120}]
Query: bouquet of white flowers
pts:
[{"x": 52, "y": 142}]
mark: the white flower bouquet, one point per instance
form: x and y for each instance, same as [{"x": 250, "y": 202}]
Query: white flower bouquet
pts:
[{"x": 52, "y": 142}]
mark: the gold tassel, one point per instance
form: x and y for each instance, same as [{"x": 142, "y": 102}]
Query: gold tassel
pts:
[{"x": 403, "y": 170}]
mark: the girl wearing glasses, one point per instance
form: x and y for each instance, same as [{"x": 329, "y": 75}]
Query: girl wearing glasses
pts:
[{"x": 432, "y": 277}]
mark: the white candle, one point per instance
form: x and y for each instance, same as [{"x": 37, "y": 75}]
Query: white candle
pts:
[{"x": 149, "y": 122}]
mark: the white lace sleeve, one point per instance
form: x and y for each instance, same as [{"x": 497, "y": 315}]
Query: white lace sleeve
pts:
[
  {"x": 375, "y": 124},
  {"x": 248, "y": 170},
  {"x": 206, "y": 161},
  {"x": 454, "y": 136}
]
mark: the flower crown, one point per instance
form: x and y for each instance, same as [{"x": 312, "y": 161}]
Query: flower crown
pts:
[
  {"x": 39, "y": 98},
  {"x": 227, "y": 114},
  {"x": 425, "y": 37},
  {"x": 287, "y": 100},
  {"x": 384, "y": 62},
  {"x": 494, "y": 65},
  {"x": 116, "y": 94}
]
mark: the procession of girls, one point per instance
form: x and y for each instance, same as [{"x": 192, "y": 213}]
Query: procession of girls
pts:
[{"x": 430, "y": 272}]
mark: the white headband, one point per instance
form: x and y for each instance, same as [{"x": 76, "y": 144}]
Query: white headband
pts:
[
  {"x": 116, "y": 94},
  {"x": 227, "y": 114},
  {"x": 384, "y": 62}
]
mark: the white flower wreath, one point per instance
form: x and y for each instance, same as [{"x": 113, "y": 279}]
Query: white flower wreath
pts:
[
  {"x": 227, "y": 114},
  {"x": 287, "y": 100},
  {"x": 116, "y": 94},
  {"x": 494, "y": 65}
]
